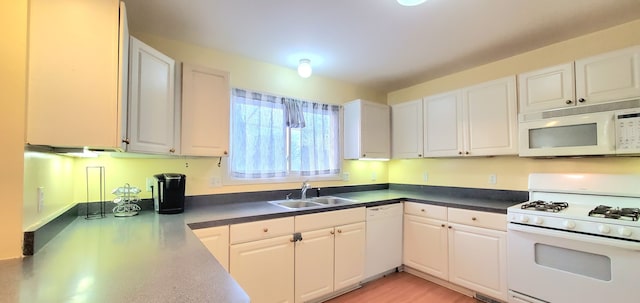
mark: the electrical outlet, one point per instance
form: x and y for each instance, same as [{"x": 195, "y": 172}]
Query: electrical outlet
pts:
[
  {"x": 493, "y": 179},
  {"x": 215, "y": 181},
  {"x": 40, "y": 199},
  {"x": 345, "y": 176},
  {"x": 425, "y": 177},
  {"x": 374, "y": 176},
  {"x": 149, "y": 184}
]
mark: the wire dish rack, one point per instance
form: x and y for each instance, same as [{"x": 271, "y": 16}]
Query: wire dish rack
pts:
[{"x": 127, "y": 196}]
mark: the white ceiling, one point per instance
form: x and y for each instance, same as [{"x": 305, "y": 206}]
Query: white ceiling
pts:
[{"x": 377, "y": 43}]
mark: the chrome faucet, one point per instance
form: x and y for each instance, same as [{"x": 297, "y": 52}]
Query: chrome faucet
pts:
[{"x": 305, "y": 186}]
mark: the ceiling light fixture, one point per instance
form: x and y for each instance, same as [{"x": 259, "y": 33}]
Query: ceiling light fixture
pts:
[
  {"x": 411, "y": 2},
  {"x": 304, "y": 68}
]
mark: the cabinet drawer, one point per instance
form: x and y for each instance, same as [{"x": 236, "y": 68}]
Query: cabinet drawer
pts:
[
  {"x": 330, "y": 219},
  {"x": 478, "y": 218},
  {"x": 258, "y": 230},
  {"x": 425, "y": 210}
]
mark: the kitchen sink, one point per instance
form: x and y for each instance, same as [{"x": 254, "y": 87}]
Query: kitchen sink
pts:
[
  {"x": 295, "y": 204},
  {"x": 330, "y": 200},
  {"x": 312, "y": 202}
]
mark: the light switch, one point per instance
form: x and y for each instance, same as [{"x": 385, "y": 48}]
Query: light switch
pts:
[
  {"x": 40, "y": 198},
  {"x": 493, "y": 179}
]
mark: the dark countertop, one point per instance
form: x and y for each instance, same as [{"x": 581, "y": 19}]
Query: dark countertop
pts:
[
  {"x": 145, "y": 258},
  {"x": 156, "y": 258},
  {"x": 201, "y": 216}
]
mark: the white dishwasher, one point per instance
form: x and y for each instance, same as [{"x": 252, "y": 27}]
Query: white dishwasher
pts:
[{"x": 384, "y": 239}]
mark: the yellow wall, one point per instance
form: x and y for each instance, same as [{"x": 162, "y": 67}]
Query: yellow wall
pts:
[
  {"x": 614, "y": 38},
  {"x": 13, "y": 52},
  {"x": 512, "y": 171},
  {"x": 199, "y": 172},
  {"x": 255, "y": 75},
  {"x": 54, "y": 174}
]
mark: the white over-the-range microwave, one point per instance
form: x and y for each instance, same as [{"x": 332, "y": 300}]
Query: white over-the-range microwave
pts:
[{"x": 578, "y": 132}]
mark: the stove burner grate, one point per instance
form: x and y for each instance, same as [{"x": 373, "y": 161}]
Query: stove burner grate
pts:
[
  {"x": 603, "y": 211},
  {"x": 546, "y": 206}
]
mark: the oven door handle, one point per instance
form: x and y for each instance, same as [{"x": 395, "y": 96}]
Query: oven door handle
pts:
[{"x": 619, "y": 243}]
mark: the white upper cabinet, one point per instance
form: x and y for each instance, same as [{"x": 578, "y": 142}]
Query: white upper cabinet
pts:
[
  {"x": 609, "y": 77},
  {"x": 367, "y": 130},
  {"x": 151, "y": 100},
  {"x": 547, "y": 88},
  {"x": 480, "y": 120},
  {"x": 490, "y": 113},
  {"x": 406, "y": 130},
  {"x": 76, "y": 76},
  {"x": 443, "y": 125},
  {"x": 205, "y": 111}
]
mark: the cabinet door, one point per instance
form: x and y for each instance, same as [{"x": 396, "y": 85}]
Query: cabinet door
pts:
[
  {"x": 443, "y": 125},
  {"x": 477, "y": 259},
  {"x": 264, "y": 269},
  {"x": 376, "y": 131},
  {"x": 425, "y": 245},
  {"x": 367, "y": 130},
  {"x": 349, "y": 255},
  {"x": 216, "y": 240},
  {"x": 72, "y": 95},
  {"x": 547, "y": 88},
  {"x": 406, "y": 130},
  {"x": 314, "y": 264},
  {"x": 609, "y": 77},
  {"x": 151, "y": 102},
  {"x": 490, "y": 118},
  {"x": 205, "y": 111}
]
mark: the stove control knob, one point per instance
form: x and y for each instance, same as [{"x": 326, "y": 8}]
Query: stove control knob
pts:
[
  {"x": 568, "y": 224},
  {"x": 623, "y": 231},
  {"x": 604, "y": 229},
  {"x": 538, "y": 220},
  {"x": 524, "y": 219}
]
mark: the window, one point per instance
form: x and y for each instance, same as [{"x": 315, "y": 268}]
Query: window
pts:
[{"x": 279, "y": 138}]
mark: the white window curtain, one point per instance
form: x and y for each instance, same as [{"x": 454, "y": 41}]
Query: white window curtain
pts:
[
  {"x": 277, "y": 137},
  {"x": 315, "y": 149},
  {"x": 258, "y": 136}
]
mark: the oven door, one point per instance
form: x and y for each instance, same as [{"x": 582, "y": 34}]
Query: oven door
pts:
[{"x": 546, "y": 265}]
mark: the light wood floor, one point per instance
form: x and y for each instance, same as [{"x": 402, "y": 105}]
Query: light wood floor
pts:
[{"x": 403, "y": 288}]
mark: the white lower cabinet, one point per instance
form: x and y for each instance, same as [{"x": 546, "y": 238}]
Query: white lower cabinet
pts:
[
  {"x": 425, "y": 245},
  {"x": 261, "y": 259},
  {"x": 330, "y": 256},
  {"x": 349, "y": 255},
  {"x": 216, "y": 240},
  {"x": 314, "y": 264},
  {"x": 477, "y": 259},
  {"x": 264, "y": 269},
  {"x": 272, "y": 266},
  {"x": 464, "y": 247}
]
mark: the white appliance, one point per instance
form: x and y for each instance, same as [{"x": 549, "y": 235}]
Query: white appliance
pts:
[
  {"x": 384, "y": 239},
  {"x": 615, "y": 132},
  {"x": 576, "y": 240}
]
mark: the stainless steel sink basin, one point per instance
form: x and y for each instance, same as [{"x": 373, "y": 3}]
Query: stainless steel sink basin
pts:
[
  {"x": 330, "y": 200},
  {"x": 312, "y": 202},
  {"x": 295, "y": 204}
]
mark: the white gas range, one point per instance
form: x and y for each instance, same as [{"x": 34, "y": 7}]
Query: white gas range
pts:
[{"x": 576, "y": 240}]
